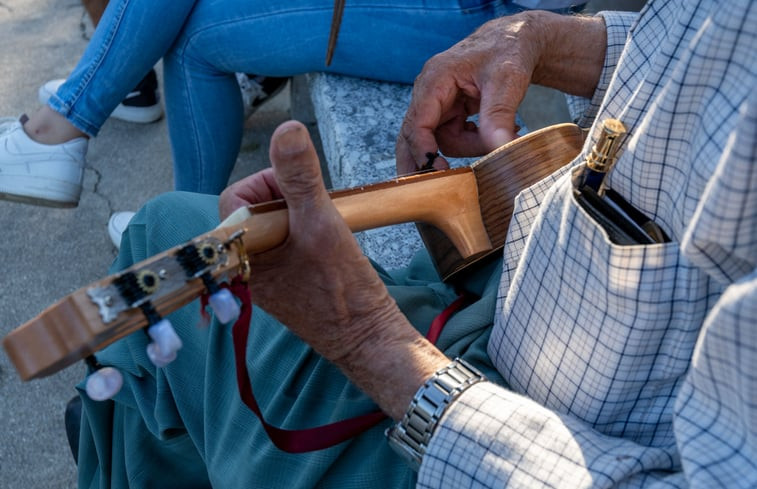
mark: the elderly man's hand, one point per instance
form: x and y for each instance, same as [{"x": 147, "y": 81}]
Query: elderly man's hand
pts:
[
  {"x": 488, "y": 74},
  {"x": 320, "y": 285}
]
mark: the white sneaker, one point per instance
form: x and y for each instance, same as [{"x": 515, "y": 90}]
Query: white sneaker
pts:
[
  {"x": 117, "y": 225},
  {"x": 141, "y": 105},
  {"x": 42, "y": 174}
]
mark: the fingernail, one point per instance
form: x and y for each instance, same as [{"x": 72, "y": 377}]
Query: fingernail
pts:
[{"x": 292, "y": 140}]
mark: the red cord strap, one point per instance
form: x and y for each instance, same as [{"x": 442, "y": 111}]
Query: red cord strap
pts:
[{"x": 320, "y": 437}]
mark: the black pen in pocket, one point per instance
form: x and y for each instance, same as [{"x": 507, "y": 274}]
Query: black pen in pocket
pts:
[
  {"x": 623, "y": 223},
  {"x": 603, "y": 155}
]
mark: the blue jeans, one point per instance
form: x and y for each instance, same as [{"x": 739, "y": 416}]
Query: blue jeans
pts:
[{"x": 204, "y": 42}]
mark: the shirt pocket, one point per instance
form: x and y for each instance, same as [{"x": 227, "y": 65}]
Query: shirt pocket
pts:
[{"x": 599, "y": 330}]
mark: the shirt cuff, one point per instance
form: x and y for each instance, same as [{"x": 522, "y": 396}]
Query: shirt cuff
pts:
[{"x": 618, "y": 24}]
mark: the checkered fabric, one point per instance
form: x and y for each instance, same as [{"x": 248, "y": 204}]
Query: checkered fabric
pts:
[{"x": 633, "y": 365}]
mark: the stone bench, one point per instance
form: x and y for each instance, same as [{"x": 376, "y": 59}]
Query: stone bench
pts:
[{"x": 358, "y": 121}]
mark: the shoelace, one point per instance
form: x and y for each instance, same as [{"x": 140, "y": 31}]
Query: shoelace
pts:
[
  {"x": 7, "y": 124},
  {"x": 251, "y": 89}
]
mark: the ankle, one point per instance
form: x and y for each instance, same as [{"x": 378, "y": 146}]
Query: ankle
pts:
[{"x": 49, "y": 127}]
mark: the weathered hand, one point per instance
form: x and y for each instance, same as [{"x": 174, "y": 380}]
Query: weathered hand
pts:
[
  {"x": 321, "y": 286},
  {"x": 488, "y": 74},
  {"x": 317, "y": 282}
]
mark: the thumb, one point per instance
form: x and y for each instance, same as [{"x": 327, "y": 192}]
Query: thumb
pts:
[{"x": 296, "y": 166}]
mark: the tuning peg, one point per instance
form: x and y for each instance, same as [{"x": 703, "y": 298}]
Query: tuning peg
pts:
[
  {"x": 104, "y": 383},
  {"x": 224, "y": 305},
  {"x": 197, "y": 261},
  {"x": 162, "y": 350}
]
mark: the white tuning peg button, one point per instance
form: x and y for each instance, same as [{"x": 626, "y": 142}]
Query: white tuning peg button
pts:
[
  {"x": 162, "y": 350},
  {"x": 224, "y": 306},
  {"x": 104, "y": 383}
]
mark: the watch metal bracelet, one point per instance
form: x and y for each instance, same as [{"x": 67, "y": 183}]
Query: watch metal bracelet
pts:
[{"x": 410, "y": 437}]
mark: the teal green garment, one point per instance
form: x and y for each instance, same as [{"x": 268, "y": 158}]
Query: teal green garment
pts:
[{"x": 185, "y": 426}]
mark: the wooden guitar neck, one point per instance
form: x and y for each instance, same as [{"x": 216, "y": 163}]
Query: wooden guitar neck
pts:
[{"x": 469, "y": 206}]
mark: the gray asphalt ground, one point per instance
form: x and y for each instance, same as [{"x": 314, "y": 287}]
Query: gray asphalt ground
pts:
[{"x": 48, "y": 253}]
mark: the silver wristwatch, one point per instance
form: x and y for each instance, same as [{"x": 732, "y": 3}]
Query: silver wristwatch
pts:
[{"x": 410, "y": 437}]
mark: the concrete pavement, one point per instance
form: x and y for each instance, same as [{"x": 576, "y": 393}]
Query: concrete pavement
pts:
[{"x": 48, "y": 253}]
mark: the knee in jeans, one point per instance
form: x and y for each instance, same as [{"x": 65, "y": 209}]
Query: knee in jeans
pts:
[{"x": 176, "y": 217}]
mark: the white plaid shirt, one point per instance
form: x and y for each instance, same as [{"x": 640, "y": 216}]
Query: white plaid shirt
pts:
[{"x": 633, "y": 365}]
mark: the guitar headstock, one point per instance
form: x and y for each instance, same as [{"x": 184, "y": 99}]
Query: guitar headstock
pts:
[{"x": 103, "y": 312}]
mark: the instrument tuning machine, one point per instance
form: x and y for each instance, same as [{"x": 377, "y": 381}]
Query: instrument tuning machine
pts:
[
  {"x": 161, "y": 278},
  {"x": 104, "y": 382},
  {"x": 197, "y": 261}
]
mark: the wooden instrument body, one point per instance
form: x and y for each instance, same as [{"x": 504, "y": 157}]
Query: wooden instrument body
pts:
[
  {"x": 501, "y": 175},
  {"x": 467, "y": 208}
]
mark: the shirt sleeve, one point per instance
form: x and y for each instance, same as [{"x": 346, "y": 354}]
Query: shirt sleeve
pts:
[
  {"x": 716, "y": 410},
  {"x": 618, "y": 24},
  {"x": 491, "y": 437}
]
